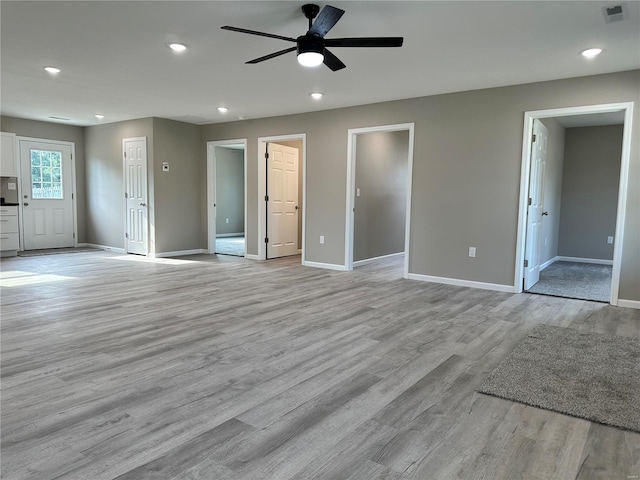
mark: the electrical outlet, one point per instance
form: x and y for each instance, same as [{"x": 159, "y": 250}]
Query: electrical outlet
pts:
[
  {"x": 357, "y": 192},
  {"x": 165, "y": 166},
  {"x": 610, "y": 240},
  {"x": 321, "y": 238},
  {"x": 472, "y": 251},
  {"x": 227, "y": 220}
]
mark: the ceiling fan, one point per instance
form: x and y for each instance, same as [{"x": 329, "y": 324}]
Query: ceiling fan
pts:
[{"x": 312, "y": 46}]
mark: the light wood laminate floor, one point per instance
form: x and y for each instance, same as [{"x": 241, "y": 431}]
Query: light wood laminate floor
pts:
[{"x": 222, "y": 368}]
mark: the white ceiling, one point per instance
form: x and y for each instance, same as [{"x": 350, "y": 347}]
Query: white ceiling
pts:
[{"x": 114, "y": 58}]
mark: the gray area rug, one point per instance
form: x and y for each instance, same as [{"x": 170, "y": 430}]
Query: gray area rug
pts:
[
  {"x": 585, "y": 281},
  {"x": 230, "y": 246},
  {"x": 586, "y": 375}
]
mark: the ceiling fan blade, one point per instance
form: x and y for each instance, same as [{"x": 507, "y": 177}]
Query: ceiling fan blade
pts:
[
  {"x": 364, "y": 42},
  {"x": 333, "y": 62},
  {"x": 261, "y": 34},
  {"x": 326, "y": 19},
  {"x": 272, "y": 55}
]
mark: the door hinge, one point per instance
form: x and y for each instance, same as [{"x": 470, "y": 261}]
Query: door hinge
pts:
[
  {"x": 266, "y": 198},
  {"x": 74, "y": 234},
  {"x": 533, "y": 138},
  {"x": 125, "y": 154},
  {"x": 266, "y": 240},
  {"x": 126, "y": 235},
  {"x": 529, "y": 200},
  {"x": 72, "y": 156},
  {"x": 526, "y": 263},
  {"x": 72, "y": 197},
  {"x": 266, "y": 155},
  {"x": 126, "y": 195}
]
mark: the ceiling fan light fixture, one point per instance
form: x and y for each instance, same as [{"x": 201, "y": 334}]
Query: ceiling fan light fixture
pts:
[
  {"x": 223, "y": 109},
  {"x": 99, "y": 116},
  {"x": 310, "y": 59},
  {"x": 316, "y": 95},
  {"x": 177, "y": 47},
  {"x": 52, "y": 70}
]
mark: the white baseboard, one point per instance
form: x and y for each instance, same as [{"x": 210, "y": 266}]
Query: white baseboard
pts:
[
  {"x": 548, "y": 262},
  {"x": 179, "y": 253},
  {"x": 223, "y": 235},
  {"x": 327, "y": 266},
  {"x": 251, "y": 256},
  {"x": 374, "y": 259},
  {"x": 462, "y": 283},
  {"x": 103, "y": 247},
  {"x": 596, "y": 261},
  {"x": 629, "y": 303}
]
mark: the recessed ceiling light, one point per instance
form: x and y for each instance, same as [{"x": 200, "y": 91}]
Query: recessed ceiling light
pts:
[
  {"x": 223, "y": 109},
  {"x": 241, "y": 117},
  {"x": 591, "y": 52},
  {"x": 52, "y": 70},
  {"x": 99, "y": 116},
  {"x": 177, "y": 47},
  {"x": 316, "y": 95}
]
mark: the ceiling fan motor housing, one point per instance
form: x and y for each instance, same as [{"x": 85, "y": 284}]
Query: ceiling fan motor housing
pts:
[{"x": 310, "y": 43}]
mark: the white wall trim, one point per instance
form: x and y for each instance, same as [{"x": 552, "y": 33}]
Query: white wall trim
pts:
[
  {"x": 529, "y": 117},
  {"x": 629, "y": 303},
  {"x": 262, "y": 175},
  {"x": 327, "y": 266},
  {"x": 359, "y": 263},
  {"x": 211, "y": 178},
  {"x": 252, "y": 257},
  {"x": 224, "y": 235},
  {"x": 178, "y": 253},
  {"x": 595, "y": 261},
  {"x": 462, "y": 283},
  {"x": 547, "y": 263},
  {"x": 351, "y": 189},
  {"x": 104, "y": 247}
]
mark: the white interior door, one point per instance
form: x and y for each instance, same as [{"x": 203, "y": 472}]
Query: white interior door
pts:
[
  {"x": 535, "y": 208},
  {"x": 47, "y": 189},
  {"x": 282, "y": 204},
  {"x": 135, "y": 192}
]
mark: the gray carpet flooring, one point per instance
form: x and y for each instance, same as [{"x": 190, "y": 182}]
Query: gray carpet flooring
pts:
[
  {"x": 586, "y": 375},
  {"x": 231, "y": 246},
  {"x": 585, "y": 281}
]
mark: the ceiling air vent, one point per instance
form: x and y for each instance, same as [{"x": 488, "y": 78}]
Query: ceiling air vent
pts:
[{"x": 614, "y": 13}]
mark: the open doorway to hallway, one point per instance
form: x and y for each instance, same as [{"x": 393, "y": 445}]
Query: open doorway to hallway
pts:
[
  {"x": 378, "y": 195},
  {"x": 574, "y": 204},
  {"x": 226, "y": 197}
]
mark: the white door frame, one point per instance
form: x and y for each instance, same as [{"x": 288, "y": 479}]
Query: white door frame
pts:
[
  {"x": 262, "y": 180},
  {"x": 351, "y": 188},
  {"x": 211, "y": 183},
  {"x": 74, "y": 200},
  {"x": 627, "y": 108},
  {"x": 124, "y": 188}
]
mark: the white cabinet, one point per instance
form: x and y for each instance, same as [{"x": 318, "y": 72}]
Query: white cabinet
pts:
[
  {"x": 8, "y": 158},
  {"x": 9, "y": 229}
]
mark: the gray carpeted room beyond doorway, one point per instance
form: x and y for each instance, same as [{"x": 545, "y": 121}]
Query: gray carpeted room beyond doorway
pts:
[{"x": 584, "y": 281}]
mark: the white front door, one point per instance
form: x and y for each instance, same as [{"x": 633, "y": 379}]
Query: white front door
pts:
[
  {"x": 135, "y": 192},
  {"x": 47, "y": 194},
  {"x": 534, "y": 210},
  {"x": 282, "y": 203}
]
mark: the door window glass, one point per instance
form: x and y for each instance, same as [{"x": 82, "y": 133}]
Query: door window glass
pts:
[{"x": 46, "y": 174}]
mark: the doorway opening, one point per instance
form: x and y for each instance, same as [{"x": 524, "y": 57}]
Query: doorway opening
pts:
[
  {"x": 227, "y": 197},
  {"x": 282, "y": 196},
  {"x": 572, "y": 201},
  {"x": 379, "y": 177},
  {"x": 46, "y": 194}
]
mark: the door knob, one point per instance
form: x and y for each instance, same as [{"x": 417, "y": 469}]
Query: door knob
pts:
[
  {"x": 545, "y": 213},
  {"x": 143, "y": 204},
  {"x": 25, "y": 204},
  {"x": 297, "y": 207}
]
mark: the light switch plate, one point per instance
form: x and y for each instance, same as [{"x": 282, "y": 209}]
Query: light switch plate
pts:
[{"x": 11, "y": 186}]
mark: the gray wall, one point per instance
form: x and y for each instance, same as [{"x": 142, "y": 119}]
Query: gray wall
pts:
[
  {"x": 552, "y": 193},
  {"x": 298, "y": 145},
  {"x": 229, "y": 190},
  {"x": 591, "y": 177},
  {"x": 56, "y": 131},
  {"x": 466, "y": 177},
  {"x": 176, "y": 205},
  {"x": 380, "y": 210},
  {"x": 105, "y": 180}
]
